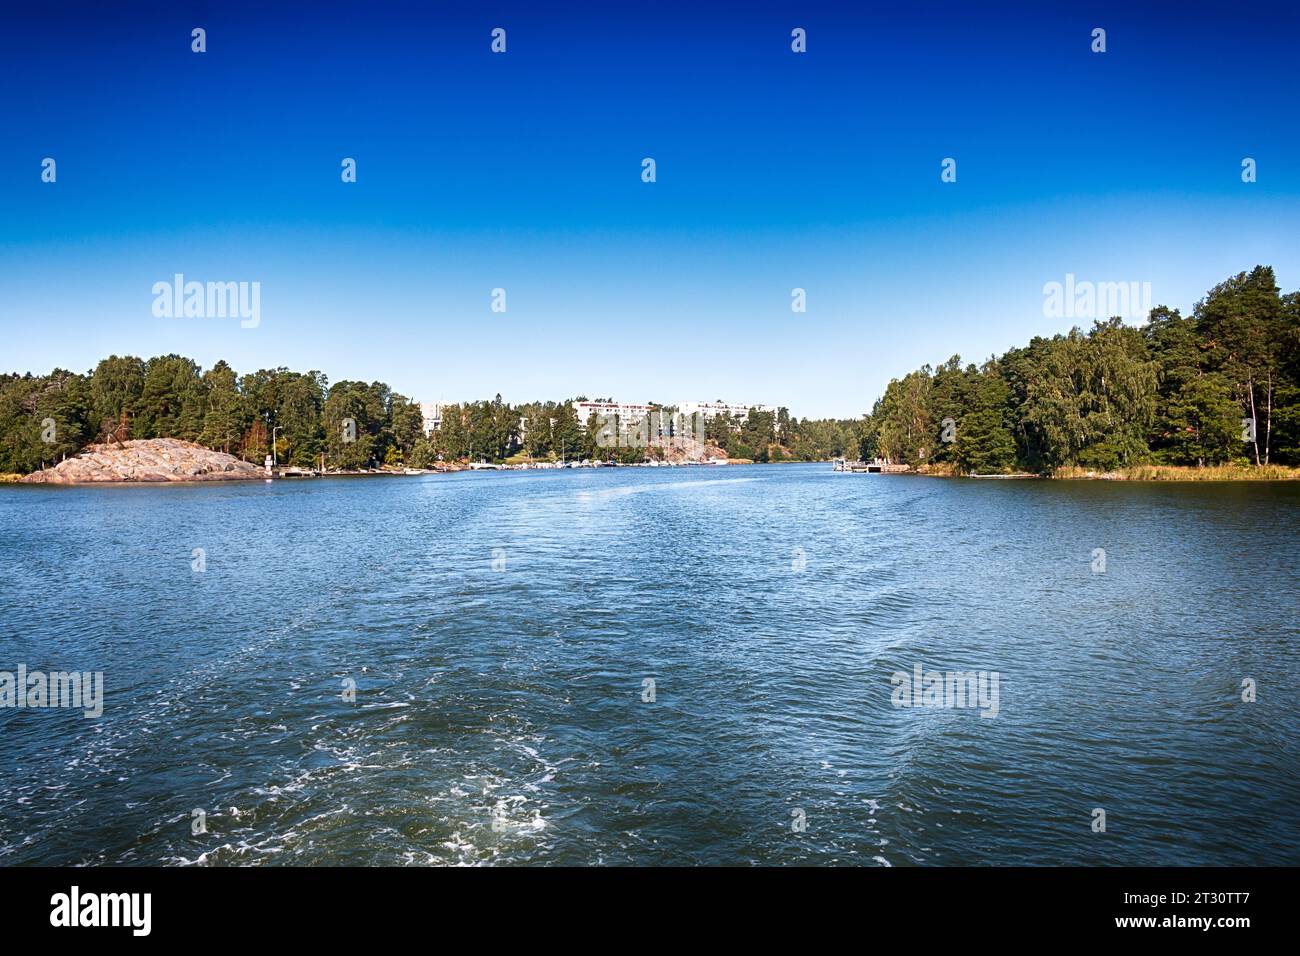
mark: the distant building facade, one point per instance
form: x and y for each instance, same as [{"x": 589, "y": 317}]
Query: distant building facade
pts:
[
  {"x": 627, "y": 424},
  {"x": 632, "y": 412},
  {"x": 432, "y": 412},
  {"x": 714, "y": 409},
  {"x": 628, "y": 415},
  {"x": 625, "y": 411}
]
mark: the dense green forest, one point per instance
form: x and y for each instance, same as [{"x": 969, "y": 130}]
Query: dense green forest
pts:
[
  {"x": 44, "y": 418},
  {"x": 1220, "y": 385},
  {"x": 1177, "y": 390}
]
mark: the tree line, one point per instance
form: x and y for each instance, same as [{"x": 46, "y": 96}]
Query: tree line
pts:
[
  {"x": 345, "y": 425},
  {"x": 1218, "y": 386},
  {"x": 44, "y": 418}
]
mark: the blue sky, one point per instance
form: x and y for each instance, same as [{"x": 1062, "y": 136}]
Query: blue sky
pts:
[{"x": 522, "y": 171}]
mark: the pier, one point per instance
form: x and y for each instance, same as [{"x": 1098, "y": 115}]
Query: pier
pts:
[{"x": 875, "y": 466}]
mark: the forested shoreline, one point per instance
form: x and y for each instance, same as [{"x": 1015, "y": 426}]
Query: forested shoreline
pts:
[
  {"x": 347, "y": 424},
  {"x": 1219, "y": 386}
]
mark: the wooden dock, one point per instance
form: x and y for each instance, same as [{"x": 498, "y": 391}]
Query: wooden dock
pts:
[{"x": 876, "y": 467}]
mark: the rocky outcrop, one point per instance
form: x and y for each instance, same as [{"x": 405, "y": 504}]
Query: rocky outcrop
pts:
[
  {"x": 683, "y": 450},
  {"x": 154, "y": 459}
]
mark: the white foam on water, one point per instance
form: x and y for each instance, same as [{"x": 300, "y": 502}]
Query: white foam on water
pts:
[{"x": 621, "y": 491}]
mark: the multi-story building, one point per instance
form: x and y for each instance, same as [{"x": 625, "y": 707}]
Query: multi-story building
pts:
[
  {"x": 640, "y": 424},
  {"x": 629, "y": 415},
  {"x": 714, "y": 409},
  {"x": 625, "y": 411},
  {"x": 432, "y": 412},
  {"x": 632, "y": 412}
]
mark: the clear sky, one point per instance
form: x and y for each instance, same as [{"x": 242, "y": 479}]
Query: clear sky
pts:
[{"x": 522, "y": 170}]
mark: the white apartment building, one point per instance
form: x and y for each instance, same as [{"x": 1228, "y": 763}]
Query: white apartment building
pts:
[
  {"x": 714, "y": 409},
  {"x": 630, "y": 412},
  {"x": 626, "y": 412},
  {"x": 432, "y": 412}
]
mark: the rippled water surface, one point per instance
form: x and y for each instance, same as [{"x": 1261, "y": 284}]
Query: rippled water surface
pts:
[{"x": 500, "y": 628}]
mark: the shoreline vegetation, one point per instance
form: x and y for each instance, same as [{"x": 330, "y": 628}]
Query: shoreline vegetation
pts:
[
  {"x": 1232, "y": 472},
  {"x": 1213, "y": 396},
  {"x": 308, "y": 424},
  {"x": 1167, "y": 473},
  {"x": 126, "y": 471}
]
